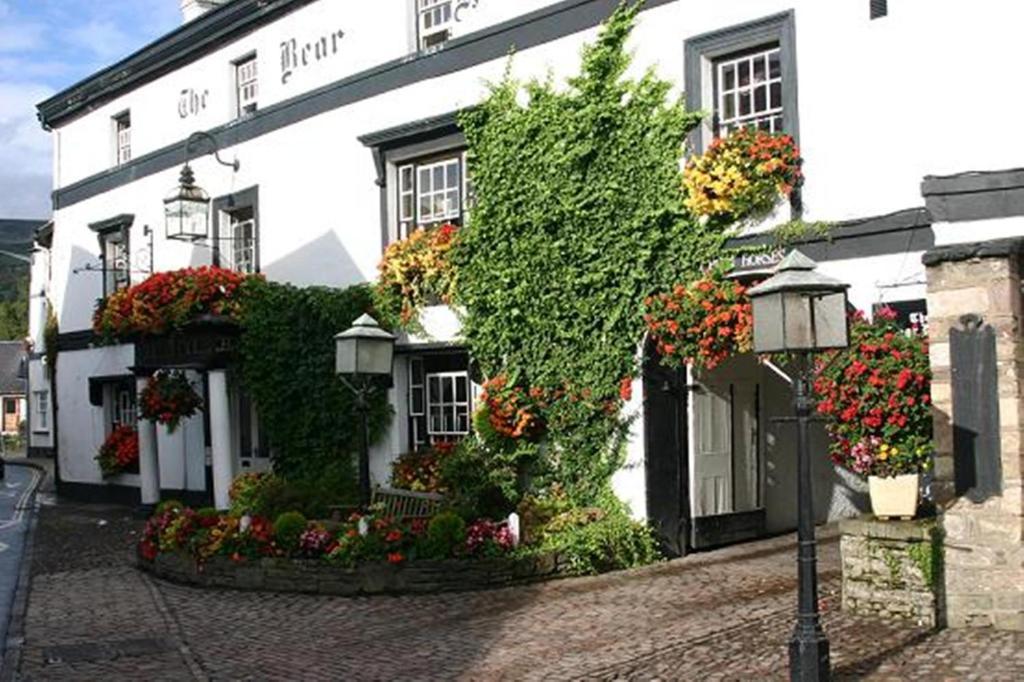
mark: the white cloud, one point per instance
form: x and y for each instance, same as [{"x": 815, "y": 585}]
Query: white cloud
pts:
[
  {"x": 104, "y": 39},
  {"x": 25, "y": 152}
]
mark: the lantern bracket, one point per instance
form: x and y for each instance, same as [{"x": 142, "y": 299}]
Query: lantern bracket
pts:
[{"x": 201, "y": 136}]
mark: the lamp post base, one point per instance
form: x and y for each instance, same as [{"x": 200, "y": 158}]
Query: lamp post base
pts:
[{"x": 808, "y": 657}]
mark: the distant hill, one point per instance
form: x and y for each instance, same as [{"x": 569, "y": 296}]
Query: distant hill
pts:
[{"x": 16, "y": 236}]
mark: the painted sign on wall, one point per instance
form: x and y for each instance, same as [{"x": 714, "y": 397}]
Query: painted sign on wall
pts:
[
  {"x": 192, "y": 102},
  {"x": 296, "y": 55},
  {"x": 909, "y": 314}
]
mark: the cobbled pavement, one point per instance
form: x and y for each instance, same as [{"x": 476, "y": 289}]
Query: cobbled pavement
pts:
[{"x": 721, "y": 615}]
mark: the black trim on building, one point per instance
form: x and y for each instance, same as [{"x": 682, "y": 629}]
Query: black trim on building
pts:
[
  {"x": 995, "y": 248},
  {"x": 529, "y": 30},
  {"x": 125, "y": 495},
  {"x": 118, "y": 223},
  {"x": 978, "y": 195},
  {"x": 902, "y": 231},
  {"x": 40, "y": 452},
  {"x": 195, "y": 39},
  {"x": 79, "y": 340}
]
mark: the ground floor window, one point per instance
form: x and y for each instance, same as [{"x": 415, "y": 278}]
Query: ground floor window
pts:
[
  {"x": 42, "y": 415},
  {"x": 440, "y": 399},
  {"x": 119, "y": 404}
]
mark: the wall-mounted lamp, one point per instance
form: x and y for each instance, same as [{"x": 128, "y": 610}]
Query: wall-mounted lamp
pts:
[{"x": 187, "y": 209}]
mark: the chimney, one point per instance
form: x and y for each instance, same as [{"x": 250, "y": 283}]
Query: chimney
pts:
[{"x": 191, "y": 9}]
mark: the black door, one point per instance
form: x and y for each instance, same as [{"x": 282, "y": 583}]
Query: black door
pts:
[{"x": 665, "y": 443}]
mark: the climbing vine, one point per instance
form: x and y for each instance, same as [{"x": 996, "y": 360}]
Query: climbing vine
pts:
[
  {"x": 579, "y": 216},
  {"x": 287, "y": 357}
]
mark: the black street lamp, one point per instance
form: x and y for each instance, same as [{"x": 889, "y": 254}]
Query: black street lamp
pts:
[
  {"x": 364, "y": 355},
  {"x": 801, "y": 311}
]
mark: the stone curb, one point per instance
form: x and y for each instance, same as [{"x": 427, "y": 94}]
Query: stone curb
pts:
[
  {"x": 11, "y": 661},
  {"x": 317, "y": 577}
]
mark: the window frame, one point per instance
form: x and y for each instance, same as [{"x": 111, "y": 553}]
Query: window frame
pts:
[
  {"x": 224, "y": 208},
  {"x": 703, "y": 51},
  {"x": 446, "y": 27},
  {"x": 242, "y": 105},
  {"x": 404, "y": 225},
  {"x": 116, "y": 230},
  {"x": 41, "y": 410},
  {"x": 446, "y": 406},
  {"x": 122, "y": 137},
  {"x": 719, "y": 90}
]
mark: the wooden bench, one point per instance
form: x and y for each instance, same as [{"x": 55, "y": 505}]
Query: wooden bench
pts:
[{"x": 407, "y": 504}]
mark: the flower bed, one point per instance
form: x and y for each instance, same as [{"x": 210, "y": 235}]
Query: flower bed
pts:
[
  {"x": 366, "y": 554},
  {"x": 119, "y": 452},
  {"x": 169, "y": 300}
]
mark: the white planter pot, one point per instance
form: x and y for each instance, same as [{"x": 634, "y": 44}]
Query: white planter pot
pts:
[{"x": 896, "y": 496}]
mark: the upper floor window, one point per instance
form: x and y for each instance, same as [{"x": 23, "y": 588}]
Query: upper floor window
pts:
[
  {"x": 431, "y": 192},
  {"x": 247, "y": 85},
  {"x": 123, "y": 138},
  {"x": 236, "y": 231},
  {"x": 242, "y": 231},
  {"x": 435, "y": 21},
  {"x": 748, "y": 91},
  {"x": 747, "y": 75},
  {"x": 116, "y": 267}
]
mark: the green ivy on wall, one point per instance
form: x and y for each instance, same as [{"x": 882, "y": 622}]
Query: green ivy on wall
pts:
[
  {"x": 287, "y": 357},
  {"x": 579, "y": 216}
]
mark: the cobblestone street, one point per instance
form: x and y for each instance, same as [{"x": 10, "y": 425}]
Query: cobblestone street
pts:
[{"x": 717, "y": 615}]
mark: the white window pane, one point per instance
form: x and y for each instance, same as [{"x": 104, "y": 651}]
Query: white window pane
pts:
[
  {"x": 759, "y": 69},
  {"x": 438, "y": 177},
  {"x": 760, "y": 98},
  {"x": 453, "y": 175},
  {"x": 405, "y": 175},
  {"x": 424, "y": 180},
  {"x": 744, "y": 68},
  {"x": 774, "y": 64},
  {"x": 729, "y": 77}
]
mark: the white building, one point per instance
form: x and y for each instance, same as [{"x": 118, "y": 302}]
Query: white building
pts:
[{"x": 901, "y": 110}]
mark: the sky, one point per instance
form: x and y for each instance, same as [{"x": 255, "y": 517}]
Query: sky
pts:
[{"x": 46, "y": 46}]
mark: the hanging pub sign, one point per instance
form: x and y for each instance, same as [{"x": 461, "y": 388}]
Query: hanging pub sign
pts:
[{"x": 909, "y": 314}]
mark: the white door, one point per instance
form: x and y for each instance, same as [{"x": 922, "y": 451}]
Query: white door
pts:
[{"x": 712, "y": 460}]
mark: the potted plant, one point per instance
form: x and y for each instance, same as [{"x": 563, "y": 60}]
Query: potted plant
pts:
[{"x": 877, "y": 396}]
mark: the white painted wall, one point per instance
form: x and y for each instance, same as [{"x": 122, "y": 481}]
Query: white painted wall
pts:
[{"x": 881, "y": 104}]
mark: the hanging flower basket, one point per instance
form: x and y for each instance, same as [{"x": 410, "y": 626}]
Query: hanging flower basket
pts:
[
  {"x": 119, "y": 452},
  {"x": 167, "y": 301},
  {"x": 742, "y": 176},
  {"x": 702, "y": 323},
  {"x": 416, "y": 271},
  {"x": 168, "y": 398}
]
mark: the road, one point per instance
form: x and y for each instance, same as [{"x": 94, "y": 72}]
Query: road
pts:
[{"x": 15, "y": 495}]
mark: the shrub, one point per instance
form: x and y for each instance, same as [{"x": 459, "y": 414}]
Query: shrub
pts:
[
  {"x": 288, "y": 527},
  {"x": 593, "y": 541},
  {"x": 167, "y": 506},
  {"x": 482, "y": 480},
  {"x": 245, "y": 492},
  {"x": 446, "y": 534}
]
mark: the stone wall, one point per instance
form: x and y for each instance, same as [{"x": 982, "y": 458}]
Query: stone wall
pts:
[
  {"x": 984, "y": 554},
  {"x": 319, "y": 577},
  {"x": 892, "y": 569}
]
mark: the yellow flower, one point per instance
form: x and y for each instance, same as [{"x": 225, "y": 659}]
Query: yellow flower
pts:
[
  {"x": 895, "y": 451},
  {"x": 884, "y": 447},
  {"x": 883, "y": 455}
]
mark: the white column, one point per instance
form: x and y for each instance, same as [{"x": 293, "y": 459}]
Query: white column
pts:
[
  {"x": 220, "y": 437},
  {"x": 149, "y": 463}
]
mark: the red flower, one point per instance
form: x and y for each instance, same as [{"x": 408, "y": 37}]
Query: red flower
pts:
[{"x": 395, "y": 558}]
